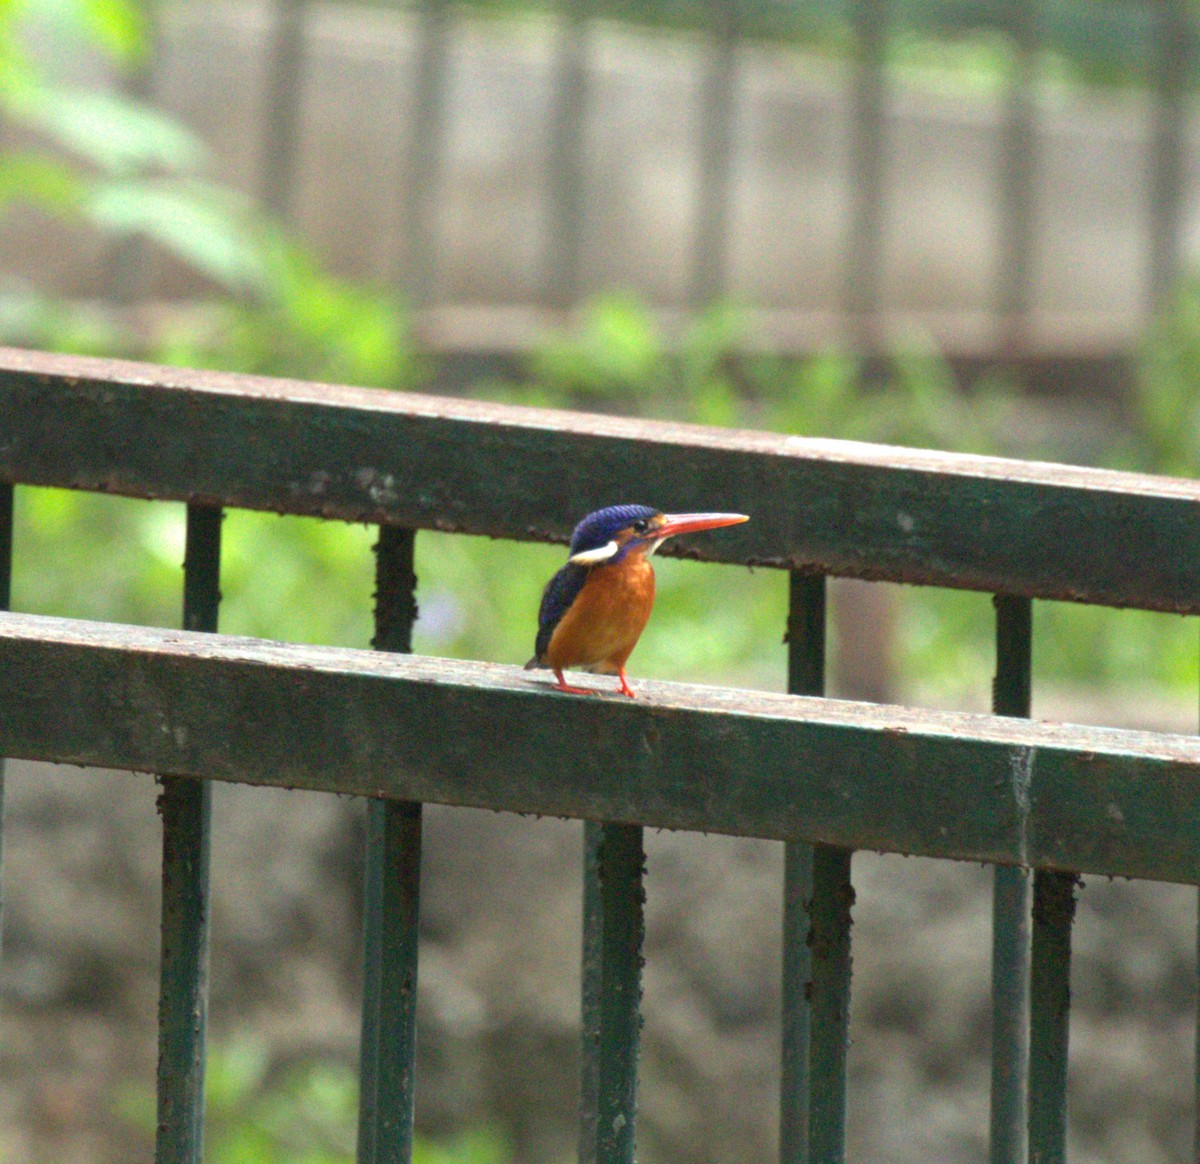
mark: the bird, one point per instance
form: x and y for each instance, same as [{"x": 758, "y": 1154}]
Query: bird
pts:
[{"x": 594, "y": 609}]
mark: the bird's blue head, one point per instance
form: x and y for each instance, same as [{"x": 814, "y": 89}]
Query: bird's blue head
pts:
[{"x": 608, "y": 535}]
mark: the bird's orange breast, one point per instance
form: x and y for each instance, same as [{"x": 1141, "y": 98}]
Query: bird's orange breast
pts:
[{"x": 605, "y": 621}]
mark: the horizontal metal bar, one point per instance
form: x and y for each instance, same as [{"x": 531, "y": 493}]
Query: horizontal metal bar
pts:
[
  {"x": 819, "y": 506},
  {"x": 759, "y": 764}
]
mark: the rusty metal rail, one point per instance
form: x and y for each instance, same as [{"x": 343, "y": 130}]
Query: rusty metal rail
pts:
[
  {"x": 820, "y": 506},
  {"x": 934, "y": 784},
  {"x": 825, "y": 777}
]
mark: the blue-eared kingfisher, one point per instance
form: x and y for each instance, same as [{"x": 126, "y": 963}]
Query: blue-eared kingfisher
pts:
[{"x": 594, "y": 609}]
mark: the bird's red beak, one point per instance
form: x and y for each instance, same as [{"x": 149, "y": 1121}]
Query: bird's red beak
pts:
[{"x": 680, "y": 523}]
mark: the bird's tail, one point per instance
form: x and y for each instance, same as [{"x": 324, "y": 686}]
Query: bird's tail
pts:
[{"x": 533, "y": 664}]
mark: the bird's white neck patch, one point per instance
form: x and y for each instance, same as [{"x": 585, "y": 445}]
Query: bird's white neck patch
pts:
[
  {"x": 654, "y": 546},
  {"x": 596, "y": 556}
]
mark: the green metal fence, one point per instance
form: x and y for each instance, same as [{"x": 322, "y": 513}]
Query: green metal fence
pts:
[{"x": 1042, "y": 803}]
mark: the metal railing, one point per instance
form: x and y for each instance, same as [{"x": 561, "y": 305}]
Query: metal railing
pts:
[{"x": 1042, "y": 803}]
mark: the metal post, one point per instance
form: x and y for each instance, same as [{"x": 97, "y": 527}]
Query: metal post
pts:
[
  {"x": 817, "y": 976},
  {"x": 391, "y": 904},
  {"x": 1016, "y": 195},
  {"x": 1010, "y": 909},
  {"x": 282, "y": 106},
  {"x": 718, "y": 112},
  {"x": 423, "y": 153},
  {"x": 1050, "y": 1005},
  {"x": 1196, "y": 1061},
  {"x": 1168, "y": 154},
  {"x": 6, "y": 557},
  {"x": 864, "y": 240},
  {"x": 829, "y": 1006},
  {"x": 613, "y": 930},
  {"x": 397, "y": 1003},
  {"x": 590, "y": 974},
  {"x": 620, "y": 864},
  {"x": 806, "y": 676},
  {"x": 565, "y": 163},
  {"x": 186, "y": 810}
]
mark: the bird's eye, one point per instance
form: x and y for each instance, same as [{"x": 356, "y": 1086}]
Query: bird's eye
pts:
[{"x": 640, "y": 527}]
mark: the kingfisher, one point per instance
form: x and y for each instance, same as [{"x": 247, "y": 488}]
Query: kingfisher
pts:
[{"x": 595, "y": 608}]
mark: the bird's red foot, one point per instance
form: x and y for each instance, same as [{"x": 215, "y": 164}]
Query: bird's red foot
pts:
[
  {"x": 625, "y": 689},
  {"x": 563, "y": 685}
]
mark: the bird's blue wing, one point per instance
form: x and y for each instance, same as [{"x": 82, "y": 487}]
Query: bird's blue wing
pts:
[{"x": 560, "y": 592}]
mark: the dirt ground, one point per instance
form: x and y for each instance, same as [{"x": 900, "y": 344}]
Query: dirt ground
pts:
[{"x": 499, "y": 981}]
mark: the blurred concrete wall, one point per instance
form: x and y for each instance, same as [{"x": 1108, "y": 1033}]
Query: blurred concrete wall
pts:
[{"x": 790, "y": 185}]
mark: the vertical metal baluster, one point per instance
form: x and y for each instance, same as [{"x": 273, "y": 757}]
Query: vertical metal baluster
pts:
[
  {"x": 806, "y": 676},
  {"x": 827, "y": 941},
  {"x": 1017, "y": 201},
  {"x": 613, "y": 930},
  {"x": 186, "y": 810},
  {"x": 282, "y": 107},
  {"x": 829, "y": 1006},
  {"x": 391, "y": 904},
  {"x": 397, "y": 1034},
  {"x": 592, "y": 961},
  {"x": 372, "y": 939},
  {"x": 864, "y": 240},
  {"x": 718, "y": 110},
  {"x": 1196, "y": 1062},
  {"x": 1010, "y": 910},
  {"x": 1176, "y": 33},
  {"x": 1049, "y": 1007},
  {"x": 565, "y": 163},
  {"x": 620, "y": 862},
  {"x": 6, "y": 555},
  {"x": 424, "y": 151}
]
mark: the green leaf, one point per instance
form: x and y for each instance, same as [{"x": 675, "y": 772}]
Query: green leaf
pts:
[
  {"x": 199, "y": 224},
  {"x": 118, "y": 28},
  {"x": 116, "y": 134},
  {"x": 39, "y": 181}
]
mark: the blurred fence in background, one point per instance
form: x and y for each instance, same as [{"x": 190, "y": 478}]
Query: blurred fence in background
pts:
[{"x": 803, "y": 159}]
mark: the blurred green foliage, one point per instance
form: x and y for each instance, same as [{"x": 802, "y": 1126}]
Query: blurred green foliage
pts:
[
  {"x": 260, "y": 1113},
  {"x": 1109, "y": 42},
  {"x": 302, "y": 322},
  {"x": 102, "y": 159},
  {"x": 116, "y": 165}
]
